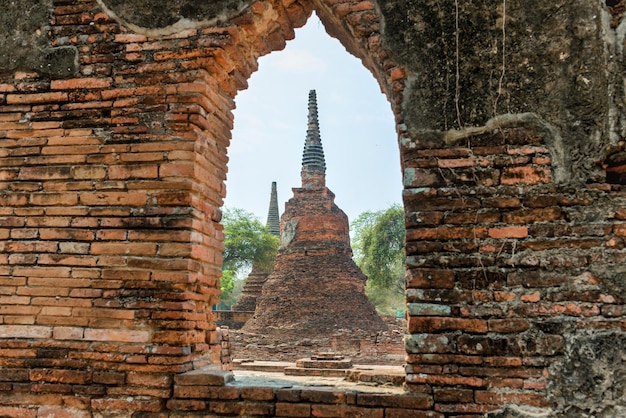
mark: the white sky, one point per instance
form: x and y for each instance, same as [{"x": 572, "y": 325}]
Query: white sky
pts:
[{"x": 356, "y": 126}]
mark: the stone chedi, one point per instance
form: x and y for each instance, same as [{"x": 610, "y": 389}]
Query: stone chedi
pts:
[
  {"x": 315, "y": 288},
  {"x": 254, "y": 282}
]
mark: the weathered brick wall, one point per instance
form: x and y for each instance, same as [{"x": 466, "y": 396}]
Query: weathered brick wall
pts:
[
  {"x": 508, "y": 273},
  {"x": 198, "y": 394},
  {"x": 111, "y": 179}
]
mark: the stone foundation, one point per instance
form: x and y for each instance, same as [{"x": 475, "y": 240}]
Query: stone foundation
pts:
[{"x": 384, "y": 347}]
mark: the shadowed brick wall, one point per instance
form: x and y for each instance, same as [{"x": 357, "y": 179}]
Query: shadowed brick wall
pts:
[{"x": 114, "y": 127}]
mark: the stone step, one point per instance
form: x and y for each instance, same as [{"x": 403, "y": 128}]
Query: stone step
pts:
[
  {"x": 267, "y": 366},
  {"x": 308, "y": 363},
  {"x": 302, "y": 371},
  {"x": 380, "y": 376}
]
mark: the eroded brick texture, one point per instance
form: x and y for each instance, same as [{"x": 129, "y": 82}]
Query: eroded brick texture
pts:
[
  {"x": 315, "y": 289},
  {"x": 111, "y": 182},
  {"x": 504, "y": 269}
]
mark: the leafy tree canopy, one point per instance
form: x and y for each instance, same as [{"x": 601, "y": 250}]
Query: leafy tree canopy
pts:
[
  {"x": 378, "y": 244},
  {"x": 246, "y": 242}
]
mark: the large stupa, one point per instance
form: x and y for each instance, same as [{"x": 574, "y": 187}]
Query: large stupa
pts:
[{"x": 315, "y": 288}]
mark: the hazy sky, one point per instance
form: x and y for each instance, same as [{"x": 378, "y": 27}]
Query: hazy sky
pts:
[{"x": 356, "y": 125}]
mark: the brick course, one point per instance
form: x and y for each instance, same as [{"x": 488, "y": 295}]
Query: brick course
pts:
[
  {"x": 110, "y": 187},
  {"x": 515, "y": 272}
]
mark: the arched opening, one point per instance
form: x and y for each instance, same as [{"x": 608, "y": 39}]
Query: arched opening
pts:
[
  {"x": 357, "y": 127},
  {"x": 357, "y": 133}
]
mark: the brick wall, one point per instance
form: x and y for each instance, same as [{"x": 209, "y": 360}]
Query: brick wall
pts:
[
  {"x": 204, "y": 394},
  {"x": 110, "y": 186},
  {"x": 505, "y": 269}
]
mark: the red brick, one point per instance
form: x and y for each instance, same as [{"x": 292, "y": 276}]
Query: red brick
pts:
[
  {"x": 503, "y": 296},
  {"x": 113, "y": 198},
  {"x": 529, "y": 216},
  {"x": 257, "y": 393},
  {"x": 531, "y": 297},
  {"x": 502, "y": 382},
  {"x": 60, "y": 376},
  {"x": 445, "y": 380},
  {"x": 123, "y": 404},
  {"x": 508, "y": 325},
  {"x": 18, "y": 412},
  {"x": 454, "y": 395},
  {"x": 80, "y": 83},
  {"x": 323, "y": 395},
  {"x": 62, "y": 412},
  {"x": 190, "y": 392},
  {"x": 503, "y": 361},
  {"x": 133, "y": 171},
  {"x": 25, "y": 331},
  {"x": 139, "y": 336},
  {"x": 292, "y": 410},
  {"x": 430, "y": 278},
  {"x": 176, "y": 170},
  {"x": 422, "y": 324},
  {"x": 149, "y": 379},
  {"x": 345, "y": 411},
  {"x": 59, "y": 301},
  {"x": 414, "y": 401},
  {"x": 469, "y": 408},
  {"x": 68, "y": 333},
  {"x": 456, "y": 163},
  {"x": 410, "y": 413},
  {"x": 509, "y": 232},
  {"x": 525, "y": 175},
  {"x": 226, "y": 408},
  {"x": 257, "y": 408},
  {"x": 52, "y": 199},
  {"x": 109, "y": 377},
  {"x": 37, "y": 98},
  {"x": 527, "y": 150},
  {"x": 25, "y": 309},
  {"x": 56, "y": 311},
  {"x": 446, "y": 233},
  {"x": 90, "y": 172},
  {"x": 518, "y": 398},
  {"x": 125, "y": 248},
  {"x": 472, "y": 218}
]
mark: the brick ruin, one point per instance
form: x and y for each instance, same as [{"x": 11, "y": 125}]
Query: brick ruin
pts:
[
  {"x": 314, "y": 299},
  {"x": 115, "y": 121},
  {"x": 315, "y": 288},
  {"x": 257, "y": 277}
]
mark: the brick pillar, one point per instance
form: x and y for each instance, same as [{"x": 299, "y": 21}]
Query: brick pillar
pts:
[
  {"x": 109, "y": 216},
  {"x": 111, "y": 239}
]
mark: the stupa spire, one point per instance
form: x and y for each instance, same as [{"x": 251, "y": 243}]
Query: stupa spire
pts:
[
  {"x": 273, "y": 220},
  {"x": 313, "y": 164}
]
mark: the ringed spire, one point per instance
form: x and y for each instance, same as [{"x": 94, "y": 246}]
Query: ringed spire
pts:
[
  {"x": 273, "y": 219},
  {"x": 313, "y": 163}
]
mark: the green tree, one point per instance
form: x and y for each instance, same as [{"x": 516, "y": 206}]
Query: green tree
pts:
[
  {"x": 378, "y": 244},
  {"x": 246, "y": 242}
]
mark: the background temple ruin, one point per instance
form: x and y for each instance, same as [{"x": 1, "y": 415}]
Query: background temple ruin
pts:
[{"x": 115, "y": 119}]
